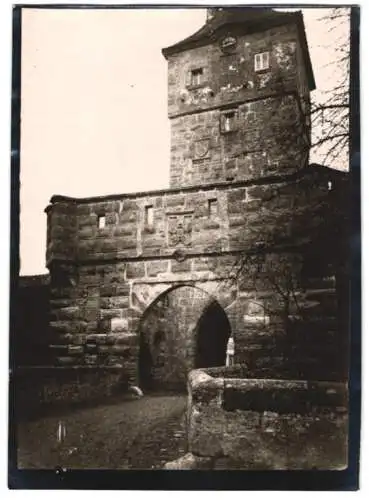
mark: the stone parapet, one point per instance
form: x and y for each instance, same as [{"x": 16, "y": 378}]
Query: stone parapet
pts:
[
  {"x": 265, "y": 424},
  {"x": 221, "y": 218}
]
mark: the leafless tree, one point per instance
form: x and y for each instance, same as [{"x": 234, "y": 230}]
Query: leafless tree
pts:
[
  {"x": 330, "y": 109},
  {"x": 330, "y": 127},
  {"x": 301, "y": 225}
]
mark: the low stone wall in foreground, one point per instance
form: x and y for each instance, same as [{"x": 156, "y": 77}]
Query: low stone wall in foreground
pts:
[
  {"x": 39, "y": 388},
  {"x": 240, "y": 423}
]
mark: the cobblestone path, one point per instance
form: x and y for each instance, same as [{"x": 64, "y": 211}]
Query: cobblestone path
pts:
[{"x": 135, "y": 434}]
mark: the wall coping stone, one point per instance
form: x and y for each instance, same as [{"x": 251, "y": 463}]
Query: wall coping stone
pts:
[
  {"x": 278, "y": 395},
  {"x": 316, "y": 169}
]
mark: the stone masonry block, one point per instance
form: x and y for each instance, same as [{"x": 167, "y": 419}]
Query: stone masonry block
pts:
[
  {"x": 110, "y": 313},
  {"x": 68, "y": 313},
  {"x": 120, "y": 302},
  {"x": 119, "y": 325},
  {"x": 174, "y": 201},
  {"x": 156, "y": 267},
  {"x": 135, "y": 270},
  {"x": 181, "y": 267}
]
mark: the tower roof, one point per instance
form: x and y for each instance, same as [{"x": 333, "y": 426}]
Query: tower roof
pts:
[{"x": 246, "y": 20}]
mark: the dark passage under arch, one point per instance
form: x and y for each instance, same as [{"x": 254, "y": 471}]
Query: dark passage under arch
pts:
[
  {"x": 182, "y": 330},
  {"x": 212, "y": 334}
]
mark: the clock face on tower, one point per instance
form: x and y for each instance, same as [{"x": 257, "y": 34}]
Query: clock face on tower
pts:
[{"x": 228, "y": 44}]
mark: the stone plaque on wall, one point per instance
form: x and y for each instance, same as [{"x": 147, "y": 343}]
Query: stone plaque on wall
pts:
[
  {"x": 179, "y": 229},
  {"x": 201, "y": 148}
]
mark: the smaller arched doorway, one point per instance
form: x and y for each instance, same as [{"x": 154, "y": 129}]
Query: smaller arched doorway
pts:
[{"x": 212, "y": 334}]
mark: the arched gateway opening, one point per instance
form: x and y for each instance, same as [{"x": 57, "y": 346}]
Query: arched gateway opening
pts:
[{"x": 184, "y": 328}]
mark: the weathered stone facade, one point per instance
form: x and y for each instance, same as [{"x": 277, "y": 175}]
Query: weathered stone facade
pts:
[
  {"x": 135, "y": 277},
  {"x": 265, "y": 105}
]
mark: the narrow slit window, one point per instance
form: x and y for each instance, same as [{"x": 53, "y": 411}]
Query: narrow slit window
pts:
[
  {"x": 261, "y": 61},
  {"x": 101, "y": 221},
  {"x": 196, "y": 77},
  {"x": 212, "y": 208},
  {"x": 149, "y": 215}
]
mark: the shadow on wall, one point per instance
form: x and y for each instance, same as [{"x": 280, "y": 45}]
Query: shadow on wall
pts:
[{"x": 30, "y": 342}]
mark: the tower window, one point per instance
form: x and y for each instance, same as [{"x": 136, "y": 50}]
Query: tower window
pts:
[
  {"x": 149, "y": 215},
  {"x": 101, "y": 221},
  {"x": 228, "y": 121},
  {"x": 261, "y": 61},
  {"x": 196, "y": 77},
  {"x": 212, "y": 208}
]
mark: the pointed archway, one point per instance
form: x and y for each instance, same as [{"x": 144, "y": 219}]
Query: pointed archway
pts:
[
  {"x": 212, "y": 334},
  {"x": 182, "y": 329}
]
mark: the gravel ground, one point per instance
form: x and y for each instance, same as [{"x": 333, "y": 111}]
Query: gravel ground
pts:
[{"x": 137, "y": 434}]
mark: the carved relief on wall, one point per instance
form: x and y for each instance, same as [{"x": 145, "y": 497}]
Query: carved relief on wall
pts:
[
  {"x": 179, "y": 227},
  {"x": 201, "y": 148}
]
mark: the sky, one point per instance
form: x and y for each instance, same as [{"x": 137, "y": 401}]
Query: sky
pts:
[{"x": 94, "y": 105}]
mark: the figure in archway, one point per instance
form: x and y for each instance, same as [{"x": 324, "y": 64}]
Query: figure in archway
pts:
[{"x": 230, "y": 352}]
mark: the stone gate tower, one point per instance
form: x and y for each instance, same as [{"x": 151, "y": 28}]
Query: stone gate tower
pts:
[
  {"x": 238, "y": 97},
  {"x": 146, "y": 286}
]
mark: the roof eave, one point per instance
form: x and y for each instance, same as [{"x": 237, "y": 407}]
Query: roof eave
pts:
[
  {"x": 201, "y": 36},
  {"x": 305, "y": 50}
]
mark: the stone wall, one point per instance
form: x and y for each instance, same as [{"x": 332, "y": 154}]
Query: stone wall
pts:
[
  {"x": 256, "y": 424},
  {"x": 30, "y": 341},
  {"x": 104, "y": 280},
  {"x": 99, "y": 320},
  {"x": 222, "y": 218},
  {"x": 208, "y": 155},
  {"x": 39, "y": 389}
]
